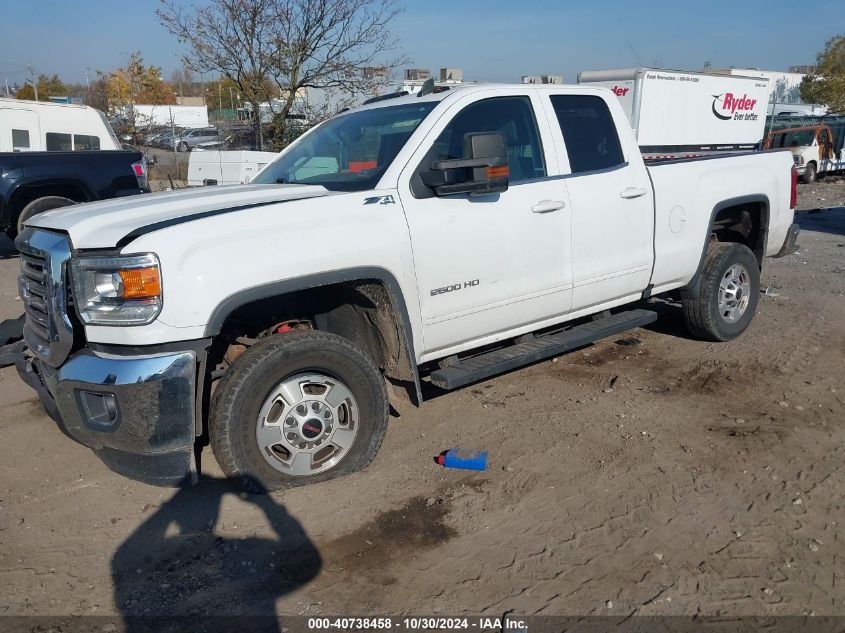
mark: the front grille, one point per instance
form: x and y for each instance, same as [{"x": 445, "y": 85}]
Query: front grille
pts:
[
  {"x": 48, "y": 330},
  {"x": 34, "y": 295},
  {"x": 795, "y": 158}
]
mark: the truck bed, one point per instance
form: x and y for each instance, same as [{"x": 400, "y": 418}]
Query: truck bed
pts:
[{"x": 690, "y": 191}]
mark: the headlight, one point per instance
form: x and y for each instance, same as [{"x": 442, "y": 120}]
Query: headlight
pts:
[{"x": 123, "y": 290}]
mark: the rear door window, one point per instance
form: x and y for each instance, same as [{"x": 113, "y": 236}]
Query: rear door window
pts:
[
  {"x": 57, "y": 142},
  {"x": 20, "y": 140},
  {"x": 588, "y": 132},
  {"x": 82, "y": 142}
]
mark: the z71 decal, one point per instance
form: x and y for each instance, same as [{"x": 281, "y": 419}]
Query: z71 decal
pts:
[
  {"x": 454, "y": 287},
  {"x": 379, "y": 200}
]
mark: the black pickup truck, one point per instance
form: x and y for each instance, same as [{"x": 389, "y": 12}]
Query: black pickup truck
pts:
[{"x": 32, "y": 182}]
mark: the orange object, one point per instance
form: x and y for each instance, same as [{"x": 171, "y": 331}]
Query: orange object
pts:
[
  {"x": 141, "y": 283},
  {"x": 498, "y": 172},
  {"x": 356, "y": 166}
]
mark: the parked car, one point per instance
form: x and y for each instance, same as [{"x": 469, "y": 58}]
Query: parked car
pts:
[
  {"x": 36, "y": 126},
  {"x": 35, "y": 182},
  {"x": 448, "y": 237},
  {"x": 189, "y": 139},
  {"x": 815, "y": 149},
  {"x": 236, "y": 140},
  {"x": 161, "y": 139},
  {"x": 144, "y": 135}
]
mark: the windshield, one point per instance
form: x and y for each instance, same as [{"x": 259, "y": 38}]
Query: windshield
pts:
[
  {"x": 350, "y": 152},
  {"x": 797, "y": 138}
]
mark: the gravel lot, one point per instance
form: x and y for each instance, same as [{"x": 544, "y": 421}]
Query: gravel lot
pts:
[{"x": 669, "y": 477}]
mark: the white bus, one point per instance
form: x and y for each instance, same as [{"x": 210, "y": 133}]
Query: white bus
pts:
[{"x": 38, "y": 126}]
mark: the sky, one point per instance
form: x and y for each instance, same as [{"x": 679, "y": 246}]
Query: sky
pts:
[{"x": 492, "y": 40}]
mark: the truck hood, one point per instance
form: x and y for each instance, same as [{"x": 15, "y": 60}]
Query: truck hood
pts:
[{"x": 104, "y": 224}]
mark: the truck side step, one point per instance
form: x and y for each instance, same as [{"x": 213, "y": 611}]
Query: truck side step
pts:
[{"x": 467, "y": 370}]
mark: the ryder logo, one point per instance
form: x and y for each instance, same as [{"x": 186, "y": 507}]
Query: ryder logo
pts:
[{"x": 728, "y": 107}]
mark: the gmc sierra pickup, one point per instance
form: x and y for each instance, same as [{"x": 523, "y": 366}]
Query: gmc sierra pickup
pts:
[{"x": 445, "y": 237}]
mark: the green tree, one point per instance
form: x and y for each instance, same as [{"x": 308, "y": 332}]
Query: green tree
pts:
[
  {"x": 50, "y": 87},
  {"x": 827, "y": 84},
  {"x": 26, "y": 92}
]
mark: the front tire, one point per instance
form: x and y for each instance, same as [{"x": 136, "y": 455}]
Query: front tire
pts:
[
  {"x": 298, "y": 408},
  {"x": 724, "y": 302},
  {"x": 809, "y": 176}
]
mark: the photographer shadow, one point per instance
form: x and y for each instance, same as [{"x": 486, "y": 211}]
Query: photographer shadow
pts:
[{"x": 175, "y": 573}]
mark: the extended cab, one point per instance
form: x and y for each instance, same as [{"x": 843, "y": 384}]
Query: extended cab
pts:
[{"x": 444, "y": 238}]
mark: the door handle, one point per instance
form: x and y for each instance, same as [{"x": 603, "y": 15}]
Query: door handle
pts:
[
  {"x": 633, "y": 192},
  {"x": 544, "y": 206}
]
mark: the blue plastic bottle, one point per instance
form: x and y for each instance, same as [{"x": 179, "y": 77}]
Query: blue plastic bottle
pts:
[{"x": 463, "y": 458}]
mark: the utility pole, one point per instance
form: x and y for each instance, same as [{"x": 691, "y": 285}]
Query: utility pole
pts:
[
  {"x": 7, "y": 88},
  {"x": 88, "y": 84},
  {"x": 32, "y": 80},
  {"x": 231, "y": 98}
]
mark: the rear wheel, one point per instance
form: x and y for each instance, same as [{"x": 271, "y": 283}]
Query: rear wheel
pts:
[
  {"x": 41, "y": 205},
  {"x": 182, "y": 147},
  {"x": 723, "y": 305},
  {"x": 298, "y": 408}
]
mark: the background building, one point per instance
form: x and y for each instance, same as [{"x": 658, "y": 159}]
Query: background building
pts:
[
  {"x": 416, "y": 77},
  {"x": 417, "y": 74},
  {"x": 542, "y": 79}
]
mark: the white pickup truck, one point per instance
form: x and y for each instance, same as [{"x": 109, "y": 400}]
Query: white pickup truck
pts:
[{"x": 440, "y": 238}]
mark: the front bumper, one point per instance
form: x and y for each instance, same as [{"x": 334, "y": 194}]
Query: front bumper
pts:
[
  {"x": 789, "y": 244},
  {"x": 137, "y": 412}
]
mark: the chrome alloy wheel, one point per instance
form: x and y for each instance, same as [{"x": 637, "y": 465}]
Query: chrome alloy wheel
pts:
[
  {"x": 307, "y": 424},
  {"x": 734, "y": 293}
]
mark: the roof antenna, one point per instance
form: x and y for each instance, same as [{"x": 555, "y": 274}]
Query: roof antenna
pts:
[{"x": 427, "y": 87}]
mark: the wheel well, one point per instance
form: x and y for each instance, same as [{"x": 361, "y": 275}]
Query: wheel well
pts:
[
  {"x": 363, "y": 311},
  {"x": 746, "y": 223},
  {"x": 28, "y": 193}
]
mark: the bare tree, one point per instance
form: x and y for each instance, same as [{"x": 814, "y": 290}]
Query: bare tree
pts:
[{"x": 287, "y": 47}]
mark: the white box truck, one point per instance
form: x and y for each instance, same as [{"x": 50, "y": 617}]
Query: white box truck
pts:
[
  {"x": 226, "y": 168},
  {"x": 678, "y": 114},
  {"x": 180, "y": 116}
]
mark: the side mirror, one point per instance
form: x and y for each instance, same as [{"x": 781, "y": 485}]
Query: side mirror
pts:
[{"x": 482, "y": 170}]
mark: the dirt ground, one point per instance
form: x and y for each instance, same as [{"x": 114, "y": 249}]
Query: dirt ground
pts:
[{"x": 666, "y": 477}]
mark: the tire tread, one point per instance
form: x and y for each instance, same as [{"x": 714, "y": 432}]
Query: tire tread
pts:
[
  {"x": 697, "y": 307},
  {"x": 223, "y": 403}
]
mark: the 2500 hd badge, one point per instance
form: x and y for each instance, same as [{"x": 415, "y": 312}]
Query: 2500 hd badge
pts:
[{"x": 454, "y": 287}]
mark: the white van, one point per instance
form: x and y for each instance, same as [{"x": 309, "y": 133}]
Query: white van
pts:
[{"x": 37, "y": 126}]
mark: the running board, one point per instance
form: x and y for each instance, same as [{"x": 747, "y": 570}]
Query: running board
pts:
[{"x": 465, "y": 371}]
